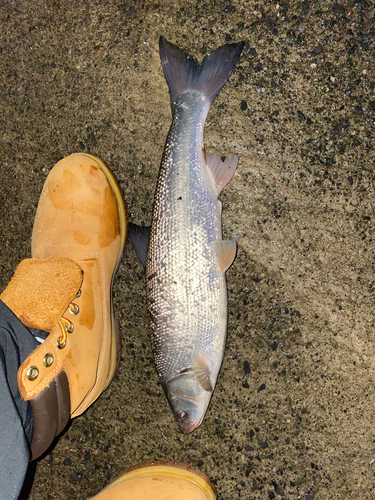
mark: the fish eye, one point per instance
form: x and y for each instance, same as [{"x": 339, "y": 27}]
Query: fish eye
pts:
[{"x": 183, "y": 415}]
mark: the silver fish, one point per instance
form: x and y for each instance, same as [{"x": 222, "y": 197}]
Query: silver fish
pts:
[{"x": 187, "y": 258}]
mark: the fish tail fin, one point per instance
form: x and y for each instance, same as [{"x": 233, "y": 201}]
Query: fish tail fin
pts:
[{"x": 184, "y": 73}]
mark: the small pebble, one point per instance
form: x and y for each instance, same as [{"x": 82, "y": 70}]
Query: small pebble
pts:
[
  {"x": 74, "y": 478},
  {"x": 318, "y": 49}
]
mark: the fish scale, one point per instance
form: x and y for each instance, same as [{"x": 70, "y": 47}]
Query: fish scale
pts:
[{"x": 184, "y": 288}]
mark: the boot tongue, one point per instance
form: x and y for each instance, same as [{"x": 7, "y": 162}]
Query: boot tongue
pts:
[{"x": 41, "y": 290}]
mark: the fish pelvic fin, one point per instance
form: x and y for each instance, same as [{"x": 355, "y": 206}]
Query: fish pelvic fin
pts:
[
  {"x": 202, "y": 367},
  {"x": 184, "y": 73},
  {"x": 226, "y": 252}
]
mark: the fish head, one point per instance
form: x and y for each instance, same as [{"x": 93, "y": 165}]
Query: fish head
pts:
[{"x": 189, "y": 402}]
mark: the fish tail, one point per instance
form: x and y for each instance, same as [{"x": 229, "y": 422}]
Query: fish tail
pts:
[{"x": 184, "y": 73}]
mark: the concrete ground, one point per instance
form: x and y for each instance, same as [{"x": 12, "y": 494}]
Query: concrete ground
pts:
[{"x": 293, "y": 412}]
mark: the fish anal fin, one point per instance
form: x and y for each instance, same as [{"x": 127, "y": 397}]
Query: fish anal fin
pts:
[
  {"x": 202, "y": 367},
  {"x": 222, "y": 169},
  {"x": 226, "y": 252}
]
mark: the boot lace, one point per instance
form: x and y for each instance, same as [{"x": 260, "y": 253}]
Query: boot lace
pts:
[{"x": 66, "y": 325}]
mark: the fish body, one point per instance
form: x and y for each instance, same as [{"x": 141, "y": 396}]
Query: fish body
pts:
[{"x": 187, "y": 259}]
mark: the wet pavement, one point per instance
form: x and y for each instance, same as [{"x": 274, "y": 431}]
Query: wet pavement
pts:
[{"x": 293, "y": 412}]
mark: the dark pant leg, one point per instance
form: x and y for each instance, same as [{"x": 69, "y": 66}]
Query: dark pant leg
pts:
[{"x": 16, "y": 425}]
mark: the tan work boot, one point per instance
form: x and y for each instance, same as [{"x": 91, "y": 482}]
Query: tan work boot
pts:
[
  {"x": 160, "y": 481},
  {"x": 66, "y": 289}
]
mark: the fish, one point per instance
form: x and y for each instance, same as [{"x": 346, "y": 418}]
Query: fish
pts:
[{"x": 184, "y": 253}]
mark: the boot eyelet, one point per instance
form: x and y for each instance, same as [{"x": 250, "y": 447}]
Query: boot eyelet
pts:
[
  {"x": 70, "y": 327},
  {"x": 48, "y": 360},
  {"x": 73, "y": 308},
  {"x": 33, "y": 373},
  {"x": 79, "y": 293},
  {"x": 61, "y": 344}
]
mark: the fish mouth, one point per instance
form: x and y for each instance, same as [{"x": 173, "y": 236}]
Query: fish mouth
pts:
[{"x": 191, "y": 427}]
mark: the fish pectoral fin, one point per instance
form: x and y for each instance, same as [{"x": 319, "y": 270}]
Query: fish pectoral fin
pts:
[
  {"x": 226, "y": 252},
  {"x": 220, "y": 206},
  {"x": 202, "y": 367},
  {"x": 140, "y": 238},
  {"x": 222, "y": 169}
]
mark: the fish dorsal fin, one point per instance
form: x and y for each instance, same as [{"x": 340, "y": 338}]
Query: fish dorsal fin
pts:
[
  {"x": 202, "y": 367},
  {"x": 222, "y": 169},
  {"x": 140, "y": 238},
  {"x": 226, "y": 252}
]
